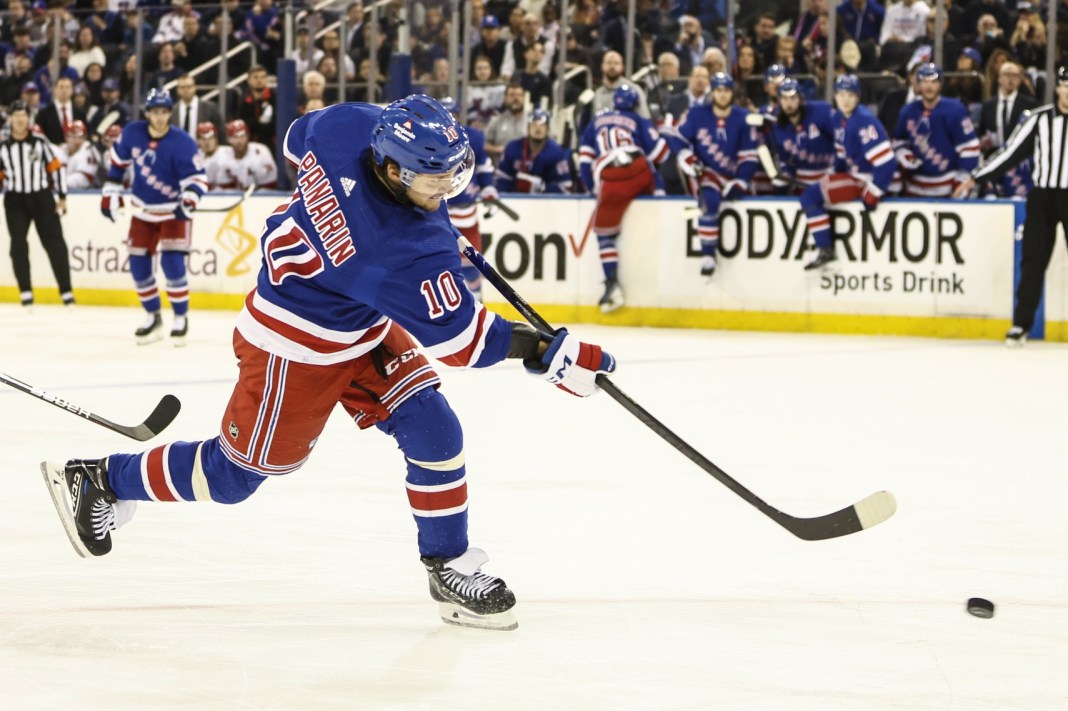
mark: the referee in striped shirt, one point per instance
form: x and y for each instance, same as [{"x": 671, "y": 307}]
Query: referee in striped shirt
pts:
[
  {"x": 1042, "y": 137},
  {"x": 30, "y": 172}
]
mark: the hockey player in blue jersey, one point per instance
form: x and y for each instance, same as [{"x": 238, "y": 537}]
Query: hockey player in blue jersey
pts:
[
  {"x": 358, "y": 265},
  {"x": 463, "y": 209},
  {"x": 716, "y": 146},
  {"x": 863, "y": 169},
  {"x": 168, "y": 182},
  {"x": 618, "y": 158},
  {"x": 935, "y": 141},
  {"x": 535, "y": 164},
  {"x": 803, "y": 135}
]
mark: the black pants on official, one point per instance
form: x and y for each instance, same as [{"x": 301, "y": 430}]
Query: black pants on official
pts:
[{"x": 38, "y": 208}]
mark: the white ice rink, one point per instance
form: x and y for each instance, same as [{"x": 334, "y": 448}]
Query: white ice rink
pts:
[{"x": 642, "y": 582}]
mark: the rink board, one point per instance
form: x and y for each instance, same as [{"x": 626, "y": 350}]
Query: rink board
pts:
[{"x": 910, "y": 267}]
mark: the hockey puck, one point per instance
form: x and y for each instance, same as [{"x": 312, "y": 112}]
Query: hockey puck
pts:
[{"x": 980, "y": 608}]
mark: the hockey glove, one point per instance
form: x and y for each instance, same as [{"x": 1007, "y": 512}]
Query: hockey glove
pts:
[
  {"x": 688, "y": 164},
  {"x": 571, "y": 365},
  {"x": 907, "y": 159},
  {"x": 489, "y": 196},
  {"x": 869, "y": 199},
  {"x": 187, "y": 204},
  {"x": 110, "y": 199}
]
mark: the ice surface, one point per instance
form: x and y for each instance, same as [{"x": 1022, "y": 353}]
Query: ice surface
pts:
[{"x": 642, "y": 582}]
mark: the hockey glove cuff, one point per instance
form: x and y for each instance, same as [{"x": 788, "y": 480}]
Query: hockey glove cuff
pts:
[
  {"x": 688, "y": 164},
  {"x": 187, "y": 205},
  {"x": 869, "y": 199},
  {"x": 571, "y": 365},
  {"x": 110, "y": 199},
  {"x": 907, "y": 159}
]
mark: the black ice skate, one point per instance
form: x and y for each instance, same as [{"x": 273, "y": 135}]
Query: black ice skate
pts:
[
  {"x": 179, "y": 330},
  {"x": 85, "y": 503},
  {"x": 151, "y": 330},
  {"x": 708, "y": 266},
  {"x": 468, "y": 597},
  {"x": 1016, "y": 337},
  {"x": 613, "y": 296},
  {"x": 824, "y": 256}
]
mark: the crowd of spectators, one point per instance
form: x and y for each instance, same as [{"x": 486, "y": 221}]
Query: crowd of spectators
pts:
[{"x": 82, "y": 54}]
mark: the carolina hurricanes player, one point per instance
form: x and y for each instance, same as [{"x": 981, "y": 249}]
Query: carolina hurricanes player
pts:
[
  {"x": 217, "y": 159},
  {"x": 80, "y": 157},
  {"x": 253, "y": 163},
  {"x": 168, "y": 180},
  {"x": 463, "y": 209},
  {"x": 618, "y": 156},
  {"x": 348, "y": 284}
]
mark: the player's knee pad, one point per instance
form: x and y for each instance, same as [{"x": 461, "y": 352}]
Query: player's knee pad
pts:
[
  {"x": 812, "y": 199},
  {"x": 141, "y": 268},
  {"x": 227, "y": 482},
  {"x": 426, "y": 428},
  {"x": 173, "y": 264}
]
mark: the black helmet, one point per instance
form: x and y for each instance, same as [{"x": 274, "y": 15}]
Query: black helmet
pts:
[
  {"x": 17, "y": 106},
  {"x": 1062, "y": 74}
]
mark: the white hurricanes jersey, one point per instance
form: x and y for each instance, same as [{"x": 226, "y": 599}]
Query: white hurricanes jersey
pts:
[
  {"x": 256, "y": 167},
  {"x": 82, "y": 166},
  {"x": 217, "y": 167}
]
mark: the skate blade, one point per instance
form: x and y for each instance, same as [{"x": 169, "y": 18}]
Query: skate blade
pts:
[
  {"x": 57, "y": 488},
  {"x": 456, "y": 615},
  {"x": 178, "y": 341},
  {"x": 610, "y": 307},
  {"x": 150, "y": 338}
]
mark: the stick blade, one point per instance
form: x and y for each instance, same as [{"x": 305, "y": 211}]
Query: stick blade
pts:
[
  {"x": 861, "y": 516},
  {"x": 164, "y": 414}
]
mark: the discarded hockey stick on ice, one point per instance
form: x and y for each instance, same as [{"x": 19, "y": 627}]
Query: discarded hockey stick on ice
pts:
[
  {"x": 866, "y": 513},
  {"x": 495, "y": 203},
  {"x": 163, "y": 415},
  {"x": 244, "y": 196}
]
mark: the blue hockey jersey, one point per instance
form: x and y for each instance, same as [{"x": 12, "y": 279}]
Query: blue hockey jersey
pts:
[
  {"x": 483, "y": 177},
  {"x": 726, "y": 146},
  {"x": 942, "y": 139},
  {"x": 806, "y": 150},
  {"x": 864, "y": 150},
  {"x": 342, "y": 259},
  {"x": 521, "y": 171},
  {"x": 162, "y": 167},
  {"x": 612, "y": 133}
]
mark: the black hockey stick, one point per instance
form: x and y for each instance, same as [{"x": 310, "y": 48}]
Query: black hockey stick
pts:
[
  {"x": 163, "y": 415},
  {"x": 495, "y": 202},
  {"x": 866, "y": 513},
  {"x": 248, "y": 192}
]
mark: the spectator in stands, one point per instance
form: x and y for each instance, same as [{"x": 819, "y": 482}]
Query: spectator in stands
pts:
[
  {"x": 80, "y": 101},
  {"x": 327, "y": 66},
  {"x": 893, "y": 101},
  {"x": 993, "y": 70},
  {"x": 167, "y": 70},
  {"x": 746, "y": 76},
  {"x": 862, "y": 21},
  {"x": 491, "y": 45},
  {"x": 313, "y": 86},
  {"x": 190, "y": 110},
  {"x": 904, "y": 22},
  {"x": 514, "y": 27},
  {"x": 764, "y": 39},
  {"x": 786, "y": 53},
  {"x": 20, "y": 44},
  {"x": 1003, "y": 111},
  {"x": 133, "y": 26},
  {"x": 113, "y": 111},
  {"x": 109, "y": 27},
  {"x": 968, "y": 86},
  {"x": 43, "y": 76},
  {"x": 533, "y": 80},
  {"x": 171, "y": 26},
  {"x": 15, "y": 18},
  {"x": 80, "y": 158},
  {"x": 486, "y": 95},
  {"x": 93, "y": 79},
  {"x": 666, "y": 82},
  {"x": 31, "y": 96},
  {"x": 14, "y": 81},
  {"x": 305, "y": 54},
  {"x": 1029, "y": 37},
  {"x": 989, "y": 37},
  {"x": 257, "y": 107},
  {"x": 253, "y": 162},
  {"x": 691, "y": 43},
  {"x": 806, "y": 22},
  {"x": 332, "y": 48},
  {"x": 515, "y": 52},
  {"x": 697, "y": 92},
  {"x": 361, "y": 92},
  {"x": 195, "y": 48},
  {"x": 715, "y": 61},
  {"x": 507, "y": 125},
  {"x": 951, "y": 44},
  {"x": 377, "y": 44},
  {"x": 611, "y": 78},
  {"x": 429, "y": 41},
  {"x": 975, "y": 9},
  {"x": 354, "y": 24},
  {"x": 54, "y": 119},
  {"x": 536, "y": 163},
  {"x": 216, "y": 158},
  {"x": 263, "y": 27},
  {"x": 86, "y": 51},
  {"x": 436, "y": 83}
]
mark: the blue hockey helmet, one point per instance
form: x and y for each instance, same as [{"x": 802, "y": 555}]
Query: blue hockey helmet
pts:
[
  {"x": 790, "y": 87},
  {"x": 722, "y": 80},
  {"x": 539, "y": 116},
  {"x": 775, "y": 73},
  {"x": 847, "y": 82},
  {"x": 929, "y": 71},
  {"x": 451, "y": 105},
  {"x": 422, "y": 137},
  {"x": 159, "y": 99},
  {"x": 625, "y": 98}
]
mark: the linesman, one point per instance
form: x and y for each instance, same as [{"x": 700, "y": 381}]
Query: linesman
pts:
[
  {"x": 1041, "y": 137},
  {"x": 31, "y": 172}
]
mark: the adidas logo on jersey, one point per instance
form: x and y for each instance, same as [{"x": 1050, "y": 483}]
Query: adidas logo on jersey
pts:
[{"x": 347, "y": 184}]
